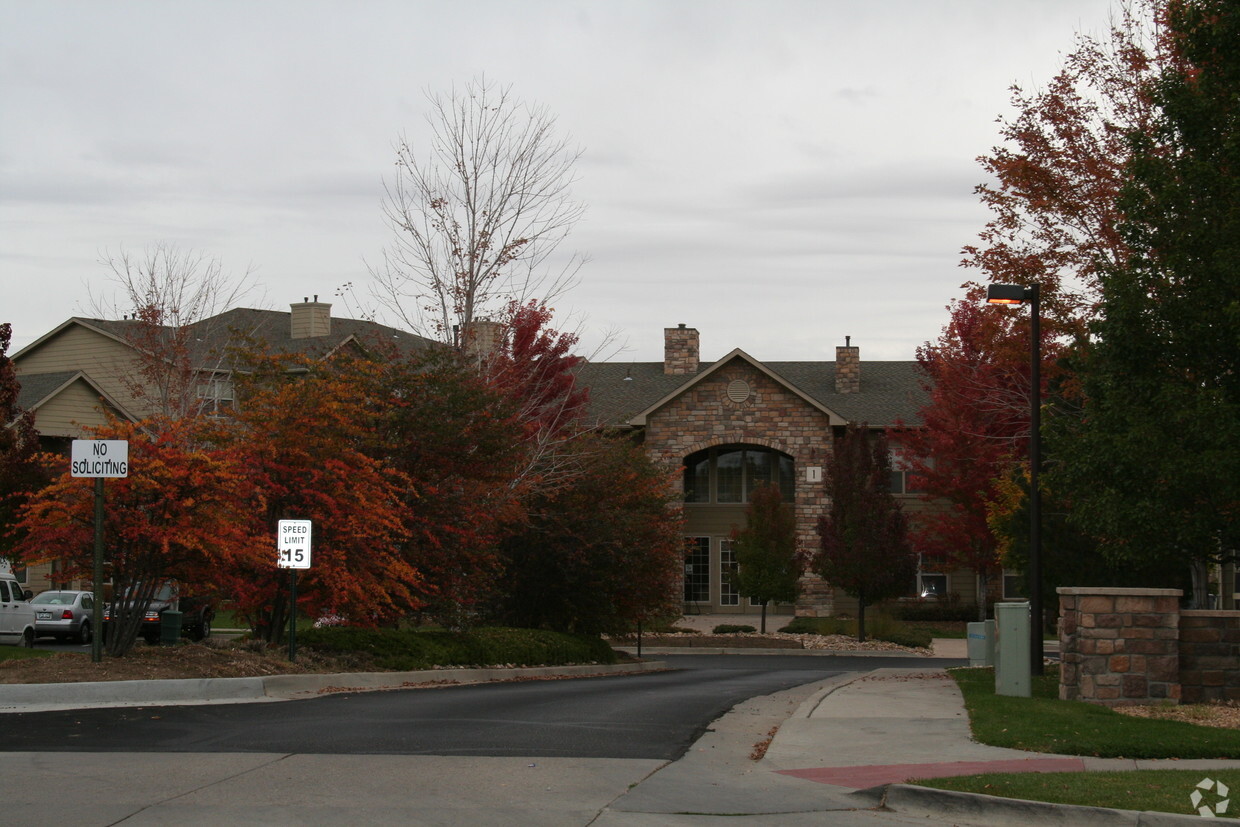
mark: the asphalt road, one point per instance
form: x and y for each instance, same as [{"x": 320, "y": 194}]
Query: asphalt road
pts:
[{"x": 651, "y": 716}]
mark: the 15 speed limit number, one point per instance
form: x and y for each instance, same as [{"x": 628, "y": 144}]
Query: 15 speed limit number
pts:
[{"x": 293, "y": 544}]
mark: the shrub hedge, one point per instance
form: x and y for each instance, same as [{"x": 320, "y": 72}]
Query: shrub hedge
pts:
[
  {"x": 878, "y": 626},
  {"x": 732, "y": 629},
  {"x": 408, "y": 649}
]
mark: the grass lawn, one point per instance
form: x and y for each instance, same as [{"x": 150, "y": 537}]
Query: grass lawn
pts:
[
  {"x": 1165, "y": 791},
  {"x": 1044, "y": 723},
  {"x": 20, "y": 652}
]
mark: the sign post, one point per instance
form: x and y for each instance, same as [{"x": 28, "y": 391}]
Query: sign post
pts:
[
  {"x": 293, "y": 546},
  {"x": 98, "y": 459}
]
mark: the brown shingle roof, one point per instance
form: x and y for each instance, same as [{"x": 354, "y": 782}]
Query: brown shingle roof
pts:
[{"x": 890, "y": 392}]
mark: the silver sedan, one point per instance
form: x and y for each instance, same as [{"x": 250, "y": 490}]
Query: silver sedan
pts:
[{"x": 63, "y": 614}]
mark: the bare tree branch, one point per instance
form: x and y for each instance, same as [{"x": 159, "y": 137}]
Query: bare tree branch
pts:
[{"x": 478, "y": 221}]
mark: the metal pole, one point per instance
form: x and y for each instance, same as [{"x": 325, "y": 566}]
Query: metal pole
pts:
[
  {"x": 96, "y": 617},
  {"x": 1035, "y": 492},
  {"x": 292, "y": 615}
]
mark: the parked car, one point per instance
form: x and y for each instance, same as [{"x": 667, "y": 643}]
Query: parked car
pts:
[
  {"x": 64, "y": 614},
  {"x": 16, "y": 613},
  {"x": 197, "y": 613}
]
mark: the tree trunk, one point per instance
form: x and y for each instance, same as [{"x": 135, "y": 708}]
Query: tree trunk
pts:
[
  {"x": 861, "y": 620},
  {"x": 1201, "y": 585},
  {"x": 763, "y": 617}
]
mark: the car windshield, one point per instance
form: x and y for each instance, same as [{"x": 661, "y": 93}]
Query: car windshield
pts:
[
  {"x": 166, "y": 592},
  {"x": 55, "y": 598}
]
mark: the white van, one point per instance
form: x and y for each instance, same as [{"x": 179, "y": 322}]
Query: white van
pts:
[{"x": 16, "y": 613}]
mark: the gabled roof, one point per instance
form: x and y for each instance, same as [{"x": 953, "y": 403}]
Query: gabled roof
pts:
[
  {"x": 623, "y": 394},
  {"x": 40, "y": 388},
  {"x": 639, "y": 419},
  {"x": 99, "y": 326},
  {"x": 212, "y": 337}
]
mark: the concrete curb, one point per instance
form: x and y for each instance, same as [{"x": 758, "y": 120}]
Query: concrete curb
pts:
[
  {"x": 975, "y": 808},
  {"x": 43, "y": 696},
  {"x": 729, "y": 650}
]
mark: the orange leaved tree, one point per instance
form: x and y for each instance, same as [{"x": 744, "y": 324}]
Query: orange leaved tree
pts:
[{"x": 180, "y": 514}]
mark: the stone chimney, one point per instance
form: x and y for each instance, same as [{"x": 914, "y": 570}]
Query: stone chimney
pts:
[
  {"x": 311, "y": 319},
  {"x": 680, "y": 351},
  {"x": 480, "y": 339},
  {"x": 847, "y": 367}
]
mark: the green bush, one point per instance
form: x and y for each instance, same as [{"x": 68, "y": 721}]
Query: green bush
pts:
[
  {"x": 407, "y": 649},
  {"x": 949, "y": 608},
  {"x": 817, "y": 626},
  {"x": 878, "y": 626},
  {"x": 732, "y": 629}
]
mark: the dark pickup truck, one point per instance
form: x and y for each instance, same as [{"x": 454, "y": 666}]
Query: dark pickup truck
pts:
[{"x": 196, "y": 614}]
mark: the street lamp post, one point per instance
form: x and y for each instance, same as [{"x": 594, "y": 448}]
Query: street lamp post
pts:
[{"x": 1017, "y": 294}]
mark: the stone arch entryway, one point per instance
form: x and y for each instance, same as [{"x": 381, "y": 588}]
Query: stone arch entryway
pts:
[{"x": 718, "y": 481}]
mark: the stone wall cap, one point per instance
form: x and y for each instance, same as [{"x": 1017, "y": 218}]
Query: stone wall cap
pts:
[
  {"x": 1115, "y": 592},
  {"x": 1210, "y": 613}
]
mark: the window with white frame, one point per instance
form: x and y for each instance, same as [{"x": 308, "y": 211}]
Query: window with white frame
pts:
[
  {"x": 215, "y": 391},
  {"x": 697, "y": 569},
  {"x": 903, "y": 479},
  {"x": 728, "y": 595}
]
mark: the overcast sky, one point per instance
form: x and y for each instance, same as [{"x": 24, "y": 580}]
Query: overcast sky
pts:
[{"x": 778, "y": 174}]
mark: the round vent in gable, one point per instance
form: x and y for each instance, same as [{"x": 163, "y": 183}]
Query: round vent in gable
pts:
[{"x": 738, "y": 390}]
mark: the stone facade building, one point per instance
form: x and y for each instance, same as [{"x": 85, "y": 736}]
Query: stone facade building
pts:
[{"x": 733, "y": 423}]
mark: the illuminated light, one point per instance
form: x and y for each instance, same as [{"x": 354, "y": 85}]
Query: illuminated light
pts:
[{"x": 1007, "y": 294}]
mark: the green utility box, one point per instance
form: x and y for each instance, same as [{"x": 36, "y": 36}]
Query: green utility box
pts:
[
  {"x": 982, "y": 643},
  {"x": 1012, "y": 664},
  {"x": 170, "y": 628}
]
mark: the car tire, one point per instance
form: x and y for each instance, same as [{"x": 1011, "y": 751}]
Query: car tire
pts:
[
  {"x": 202, "y": 631},
  {"x": 28, "y": 639},
  {"x": 151, "y": 638},
  {"x": 83, "y": 635}
]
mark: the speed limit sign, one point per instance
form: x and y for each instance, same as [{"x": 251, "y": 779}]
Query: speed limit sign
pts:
[{"x": 293, "y": 544}]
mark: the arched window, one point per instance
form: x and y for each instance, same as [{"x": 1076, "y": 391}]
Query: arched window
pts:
[{"x": 731, "y": 473}]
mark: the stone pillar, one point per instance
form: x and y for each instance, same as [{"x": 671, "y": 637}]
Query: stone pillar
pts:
[{"x": 1119, "y": 646}]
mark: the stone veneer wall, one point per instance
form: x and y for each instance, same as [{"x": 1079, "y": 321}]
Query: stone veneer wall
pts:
[
  {"x": 771, "y": 416},
  {"x": 1209, "y": 655},
  {"x": 1119, "y": 646}
]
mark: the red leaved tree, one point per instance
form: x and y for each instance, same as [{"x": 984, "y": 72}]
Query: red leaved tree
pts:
[
  {"x": 973, "y": 429},
  {"x": 20, "y": 472},
  {"x": 865, "y": 548},
  {"x": 301, "y": 432},
  {"x": 182, "y": 513},
  {"x": 457, "y": 442},
  {"x": 534, "y": 368},
  {"x": 1056, "y": 176},
  {"x": 600, "y": 553}
]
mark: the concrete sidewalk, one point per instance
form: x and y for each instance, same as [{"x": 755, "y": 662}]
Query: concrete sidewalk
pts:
[{"x": 837, "y": 751}]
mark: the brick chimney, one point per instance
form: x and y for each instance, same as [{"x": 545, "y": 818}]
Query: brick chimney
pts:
[
  {"x": 310, "y": 319},
  {"x": 680, "y": 351},
  {"x": 847, "y": 367}
]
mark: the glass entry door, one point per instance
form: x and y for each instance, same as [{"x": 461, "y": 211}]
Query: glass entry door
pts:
[{"x": 697, "y": 570}]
